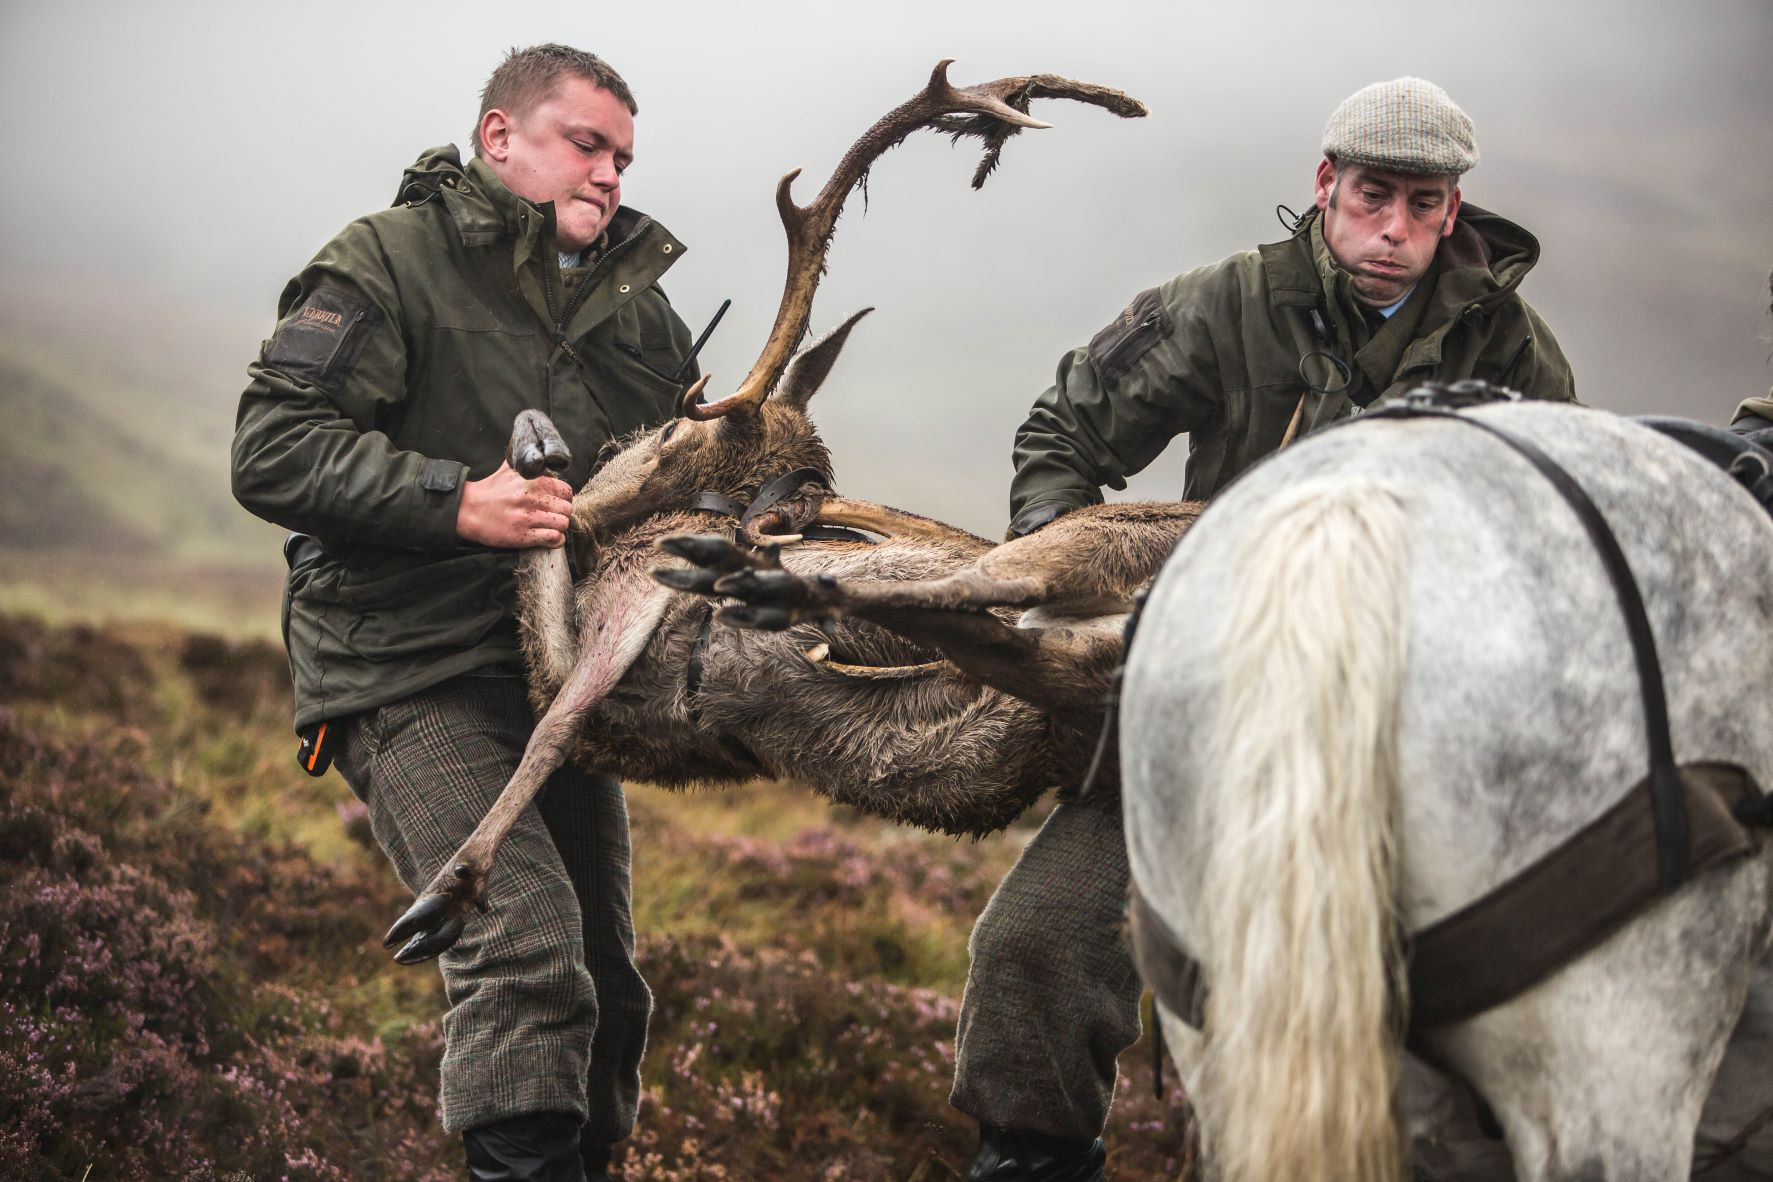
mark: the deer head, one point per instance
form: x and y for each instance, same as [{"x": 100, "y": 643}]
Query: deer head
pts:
[{"x": 734, "y": 445}]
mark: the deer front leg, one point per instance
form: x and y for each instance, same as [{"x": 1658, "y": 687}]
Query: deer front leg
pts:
[
  {"x": 1065, "y": 667},
  {"x": 773, "y": 598},
  {"x": 781, "y": 598},
  {"x": 622, "y": 619},
  {"x": 544, "y": 581}
]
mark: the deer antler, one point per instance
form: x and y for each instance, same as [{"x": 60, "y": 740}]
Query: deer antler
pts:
[{"x": 991, "y": 111}]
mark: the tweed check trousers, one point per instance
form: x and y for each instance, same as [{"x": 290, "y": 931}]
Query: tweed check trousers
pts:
[
  {"x": 1052, "y": 996},
  {"x": 547, "y": 1011}
]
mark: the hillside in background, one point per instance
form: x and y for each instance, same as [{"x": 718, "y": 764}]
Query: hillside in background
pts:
[
  {"x": 119, "y": 442},
  {"x": 114, "y": 498},
  {"x": 192, "y": 983}
]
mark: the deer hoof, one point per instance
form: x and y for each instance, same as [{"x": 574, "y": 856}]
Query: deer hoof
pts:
[
  {"x": 430, "y": 926},
  {"x": 536, "y": 447},
  {"x": 708, "y": 550},
  {"x": 697, "y": 579},
  {"x": 778, "y": 587}
]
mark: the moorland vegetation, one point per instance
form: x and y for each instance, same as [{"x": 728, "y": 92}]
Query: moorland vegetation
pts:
[{"x": 192, "y": 984}]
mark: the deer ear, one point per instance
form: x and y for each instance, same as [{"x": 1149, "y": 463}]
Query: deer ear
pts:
[{"x": 807, "y": 372}]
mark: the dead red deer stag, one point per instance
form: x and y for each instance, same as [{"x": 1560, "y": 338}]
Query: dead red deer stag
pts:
[{"x": 956, "y": 730}]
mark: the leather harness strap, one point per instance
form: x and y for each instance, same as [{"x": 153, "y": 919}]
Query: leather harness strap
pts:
[
  {"x": 773, "y": 492},
  {"x": 1694, "y": 817},
  {"x": 1527, "y": 928},
  {"x": 1573, "y": 898},
  {"x": 1665, "y": 790}
]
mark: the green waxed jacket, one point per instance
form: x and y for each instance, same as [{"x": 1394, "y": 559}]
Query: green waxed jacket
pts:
[
  {"x": 1218, "y": 353},
  {"x": 402, "y": 354}
]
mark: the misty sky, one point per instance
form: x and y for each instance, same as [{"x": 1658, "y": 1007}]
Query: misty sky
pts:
[{"x": 176, "y": 163}]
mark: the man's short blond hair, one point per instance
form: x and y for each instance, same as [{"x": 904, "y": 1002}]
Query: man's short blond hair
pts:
[{"x": 527, "y": 77}]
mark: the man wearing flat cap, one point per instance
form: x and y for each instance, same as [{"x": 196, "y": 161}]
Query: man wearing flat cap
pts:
[{"x": 1388, "y": 282}]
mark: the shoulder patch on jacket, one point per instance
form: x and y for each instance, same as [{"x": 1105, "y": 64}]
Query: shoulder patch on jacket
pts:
[
  {"x": 1134, "y": 333},
  {"x": 321, "y": 337}
]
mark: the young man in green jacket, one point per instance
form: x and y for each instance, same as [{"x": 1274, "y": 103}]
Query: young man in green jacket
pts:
[
  {"x": 1388, "y": 282},
  {"x": 374, "y": 425}
]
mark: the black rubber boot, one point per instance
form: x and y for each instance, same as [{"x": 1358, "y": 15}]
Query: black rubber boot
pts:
[
  {"x": 1030, "y": 1157},
  {"x": 596, "y": 1159},
  {"x": 534, "y": 1147}
]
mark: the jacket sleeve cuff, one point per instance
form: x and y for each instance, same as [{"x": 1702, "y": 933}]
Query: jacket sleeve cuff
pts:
[
  {"x": 1033, "y": 517},
  {"x": 440, "y": 485}
]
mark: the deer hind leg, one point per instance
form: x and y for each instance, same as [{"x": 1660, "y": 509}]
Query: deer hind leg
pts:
[{"x": 438, "y": 917}]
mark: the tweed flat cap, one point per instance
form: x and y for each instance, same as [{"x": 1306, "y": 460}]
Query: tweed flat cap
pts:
[{"x": 1405, "y": 125}]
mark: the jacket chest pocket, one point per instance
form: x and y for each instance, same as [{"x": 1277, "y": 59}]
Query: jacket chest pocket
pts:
[
  {"x": 1499, "y": 366},
  {"x": 654, "y": 352},
  {"x": 632, "y": 384}
]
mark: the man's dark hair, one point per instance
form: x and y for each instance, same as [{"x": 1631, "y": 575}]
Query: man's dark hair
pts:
[{"x": 527, "y": 77}]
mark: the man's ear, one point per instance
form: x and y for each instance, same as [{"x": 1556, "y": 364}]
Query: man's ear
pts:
[
  {"x": 1326, "y": 182},
  {"x": 495, "y": 135},
  {"x": 1452, "y": 212}
]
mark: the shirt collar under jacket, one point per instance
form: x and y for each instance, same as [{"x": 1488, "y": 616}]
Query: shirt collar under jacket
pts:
[{"x": 1388, "y": 309}]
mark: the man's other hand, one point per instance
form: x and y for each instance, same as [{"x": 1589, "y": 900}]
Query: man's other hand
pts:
[{"x": 508, "y": 511}]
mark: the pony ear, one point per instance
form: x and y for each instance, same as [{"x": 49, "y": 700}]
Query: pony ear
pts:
[{"x": 807, "y": 372}]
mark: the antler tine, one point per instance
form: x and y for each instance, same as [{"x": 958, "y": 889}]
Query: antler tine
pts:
[{"x": 993, "y": 111}]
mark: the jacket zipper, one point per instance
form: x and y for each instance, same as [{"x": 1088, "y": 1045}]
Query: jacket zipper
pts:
[{"x": 572, "y": 301}]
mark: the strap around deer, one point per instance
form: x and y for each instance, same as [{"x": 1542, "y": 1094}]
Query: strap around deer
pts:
[{"x": 773, "y": 493}]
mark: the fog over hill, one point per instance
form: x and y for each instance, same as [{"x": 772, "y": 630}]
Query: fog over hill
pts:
[{"x": 182, "y": 160}]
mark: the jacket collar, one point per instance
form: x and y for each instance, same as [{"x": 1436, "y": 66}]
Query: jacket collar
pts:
[
  {"x": 1482, "y": 262},
  {"x": 633, "y": 252},
  {"x": 1476, "y": 268},
  {"x": 483, "y": 210}
]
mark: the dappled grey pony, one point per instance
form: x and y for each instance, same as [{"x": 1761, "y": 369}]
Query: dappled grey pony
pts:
[{"x": 1385, "y": 672}]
